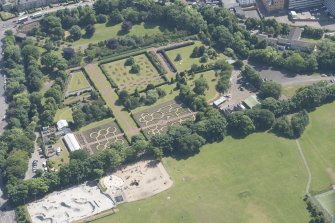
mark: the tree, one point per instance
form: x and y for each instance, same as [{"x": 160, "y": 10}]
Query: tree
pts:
[
  {"x": 270, "y": 89},
  {"x": 135, "y": 68},
  {"x": 151, "y": 97},
  {"x": 299, "y": 122},
  {"x": 52, "y": 60},
  {"x": 200, "y": 86},
  {"x": 75, "y": 33},
  {"x": 115, "y": 17},
  {"x": 282, "y": 127},
  {"x": 79, "y": 118},
  {"x": 68, "y": 53},
  {"x": 240, "y": 124},
  {"x": 89, "y": 30},
  {"x": 263, "y": 119},
  {"x": 252, "y": 76},
  {"x": 178, "y": 57},
  {"x": 17, "y": 164},
  {"x": 126, "y": 26},
  {"x": 81, "y": 154},
  {"x": 101, "y": 18},
  {"x": 113, "y": 44},
  {"x": 129, "y": 61},
  {"x": 123, "y": 96}
]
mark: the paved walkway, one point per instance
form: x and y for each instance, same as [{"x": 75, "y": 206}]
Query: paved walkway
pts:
[{"x": 308, "y": 186}]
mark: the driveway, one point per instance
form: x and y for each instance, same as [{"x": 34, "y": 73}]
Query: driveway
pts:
[{"x": 34, "y": 156}]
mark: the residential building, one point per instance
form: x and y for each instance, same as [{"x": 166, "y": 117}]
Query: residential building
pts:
[
  {"x": 274, "y": 5},
  {"x": 302, "y": 4},
  {"x": 330, "y": 4}
]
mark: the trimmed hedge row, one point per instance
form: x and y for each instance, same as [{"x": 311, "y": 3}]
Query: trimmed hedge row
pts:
[
  {"x": 167, "y": 59},
  {"x": 155, "y": 62}
]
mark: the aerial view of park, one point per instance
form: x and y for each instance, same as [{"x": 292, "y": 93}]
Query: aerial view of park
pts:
[{"x": 161, "y": 111}]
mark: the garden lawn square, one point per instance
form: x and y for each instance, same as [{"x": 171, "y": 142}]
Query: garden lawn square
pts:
[{"x": 126, "y": 79}]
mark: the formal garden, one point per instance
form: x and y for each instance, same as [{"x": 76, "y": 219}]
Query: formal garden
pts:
[{"x": 131, "y": 73}]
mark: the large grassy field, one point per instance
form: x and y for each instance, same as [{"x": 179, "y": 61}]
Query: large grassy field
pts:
[
  {"x": 187, "y": 61},
  {"x": 318, "y": 143},
  {"x": 257, "y": 179},
  {"x": 104, "y": 32},
  {"x": 125, "y": 79}
]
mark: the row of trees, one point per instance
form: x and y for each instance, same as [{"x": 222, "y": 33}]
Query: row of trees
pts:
[{"x": 136, "y": 100}]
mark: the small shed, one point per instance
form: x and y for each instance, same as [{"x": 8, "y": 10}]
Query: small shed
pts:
[
  {"x": 219, "y": 101},
  {"x": 61, "y": 124}
]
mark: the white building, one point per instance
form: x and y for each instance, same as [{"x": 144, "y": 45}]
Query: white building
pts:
[
  {"x": 219, "y": 101},
  {"x": 302, "y": 4},
  {"x": 330, "y": 4},
  {"x": 71, "y": 142},
  {"x": 62, "y": 124}
]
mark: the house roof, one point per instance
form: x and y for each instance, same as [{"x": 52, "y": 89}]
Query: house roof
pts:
[{"x": 62, "y": 124}]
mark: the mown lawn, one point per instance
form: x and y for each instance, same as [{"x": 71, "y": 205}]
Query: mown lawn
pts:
[
  {"x": 257, "y": 179},
  {"x": 318, "y": 143},
  {"x": 104, "y": 32},
  {"x": 77, "y": 82},
  {"x": 64, "y": 113},
  {"x": 187, "y": 61},
  {"x": 211, "y": 81}
]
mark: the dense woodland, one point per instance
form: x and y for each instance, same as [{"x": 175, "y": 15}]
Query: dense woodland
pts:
[{"x": 29, "y": 109}]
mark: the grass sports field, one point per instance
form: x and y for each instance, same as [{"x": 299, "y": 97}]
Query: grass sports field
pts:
[
  {"x": 318, "y": 143},
  {"x": 78, "y": 82},
  {"x": 187, "y": 61},
  {"x": 257, "y": 179},
  {"x": 104, "y": 32},
  {"x": 125, "y": 79},
  {"x": 327, "y": 201}
]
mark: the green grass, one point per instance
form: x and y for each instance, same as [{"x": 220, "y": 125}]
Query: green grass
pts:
[
  {"x": 77, "y": 82},
  {"x": 290, "y": 91},
  {"x": 6, "y": 16},
  {"x": 124, "y": 79},
  {"x": 211, "y": 80},
  {"x": 327, "y": 200},
  {"x": 318, "y": 144},
  {"x": 96, "y": 124},
  {"x": 257, "y": 179},
  {"x": 64, "y": 156},
  {"x": 187, "y": 61},
  {"x": 64, "y": 113},
  {"x": 104, "y": 32}
]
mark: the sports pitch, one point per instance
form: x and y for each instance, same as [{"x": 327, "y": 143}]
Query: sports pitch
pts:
[{"x": 125, "y": 79}]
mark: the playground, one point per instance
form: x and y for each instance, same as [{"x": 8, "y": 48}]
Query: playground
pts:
[
  {"x": 125, "y": 78},
  {"x": 137, "y": 181},
  {"x": 70, "y": 205}
]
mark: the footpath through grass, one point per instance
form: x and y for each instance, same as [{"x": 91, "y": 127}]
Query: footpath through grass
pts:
[{"x": 257, "y": 179}]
